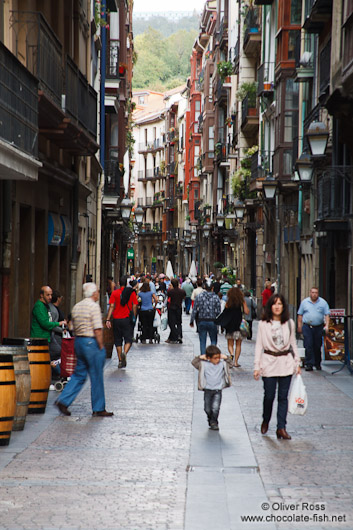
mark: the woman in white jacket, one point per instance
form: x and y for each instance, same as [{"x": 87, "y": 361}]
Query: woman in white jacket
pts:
[{"x": 276, "y": 360}]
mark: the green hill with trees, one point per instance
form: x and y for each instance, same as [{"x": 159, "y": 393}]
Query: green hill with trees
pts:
[{"x": 163, "y": 62}]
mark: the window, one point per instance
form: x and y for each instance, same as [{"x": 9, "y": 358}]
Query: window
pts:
[
  {"x": 295, "y": 12},
  {"x": 211, "y": 138},
  {"x": 141, "y": 100}
]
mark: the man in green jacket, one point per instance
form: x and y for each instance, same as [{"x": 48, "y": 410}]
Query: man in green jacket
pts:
[{"x": 42, "y": 324}]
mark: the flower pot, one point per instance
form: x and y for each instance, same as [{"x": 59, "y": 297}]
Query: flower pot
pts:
[
  {"x": 121, "y": 70},
  {"x": 267, "y": 87}
]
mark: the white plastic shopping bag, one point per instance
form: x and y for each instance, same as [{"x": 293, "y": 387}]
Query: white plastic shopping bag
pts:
[
  {"x": 298, "y": 399},
  {"x": 164, "y": 322},
  {"x": 156, "y": 320}
]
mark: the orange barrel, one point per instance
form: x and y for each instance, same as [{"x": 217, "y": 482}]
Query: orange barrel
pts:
[
  {"x": 108, "y": 339},
  {"x": 39, "y": 366},
  {"x": 7, "y": 397},
  {"x": 23, "y": 383}
]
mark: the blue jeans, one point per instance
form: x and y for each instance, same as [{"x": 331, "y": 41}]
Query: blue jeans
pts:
[
  {"x": 187, "y": 304},
  {"x": 270, "y": 384},
  {"x": 312, "y": 344},
  {"x": 205, "y": 327},
  {"x": 212, "y": 404},
  {"x": 90, "y": 360}
]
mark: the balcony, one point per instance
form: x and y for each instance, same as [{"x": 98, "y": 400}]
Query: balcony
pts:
[
  {"x": 112, "y": 182},
  {"x": 234, "y": 57},
  {"x": 169, "y": 203},
  {"x": 261, "y": 166},
  {"x": 222, "y": 33},
  {"x": 67, "y": 103},
  {"x": 325, "y": 67},
  {"x": 317, "y": 13},
  {"x": 173, "y": 234},
  {"x": 265, "y": 79},
  {"x": 179, "y": 191},
  {"x": 18, "y": 104},
  {"x": 171, "y": 169},
  {"x": 334, "y": 198},
  {"x": 221, "y": 92},
  {"x": 249, "y": 117},
  {"x": 112, "y": 60},
  {"x": 141, "y": 176},
  {"x": 222, "y": 152},
  {"x": 304, "y": 61},
  {"x": 252, "y": 34}
]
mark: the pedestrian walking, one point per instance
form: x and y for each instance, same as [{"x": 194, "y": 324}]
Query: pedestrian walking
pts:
[
  {"x": 313, "y": 317},
  {"x": 206, "y": 308},
  {"x": 250, "y": 302},
  {"x": 147, "y": 312},
  {"x": 233, "y": 314},
  {"x": 176, "y": 296},
  {"x": 90, "y": 353},
  {"x": 225, "y": 286},
  {"x": 266, "y": 293},
  {"x": 123, "y": 307},
  {"x": 276, "y": 360},
  {"x": 189, "y": 289},
  {"x": 214, "y": 375},
  {"x": 197, "y": 290}
]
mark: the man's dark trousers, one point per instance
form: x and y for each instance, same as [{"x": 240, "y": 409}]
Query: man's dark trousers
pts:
[{"x": 312, "y": 343}]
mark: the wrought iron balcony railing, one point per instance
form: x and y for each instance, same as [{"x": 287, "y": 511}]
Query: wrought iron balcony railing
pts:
[
  {"x": 112, "y": 59},
  {"x": 112, "y": 178},
  {"x": 334, "y": 193},
  {"x": 18, "y": 115}
]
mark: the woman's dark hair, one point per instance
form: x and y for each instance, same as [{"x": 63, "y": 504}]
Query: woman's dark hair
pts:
[
  {"x": 235, "y": 297},
  {"x": 145, "y": 287},
  {"x": 125, "y": 296},
  {"x": 267, "y": 314}
]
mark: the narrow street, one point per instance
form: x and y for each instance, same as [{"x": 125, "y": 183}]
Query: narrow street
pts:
[{"x": 155, "y": 465}]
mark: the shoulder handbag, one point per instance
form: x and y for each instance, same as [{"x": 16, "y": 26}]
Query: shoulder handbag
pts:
[{"x": 224, "y": 318}]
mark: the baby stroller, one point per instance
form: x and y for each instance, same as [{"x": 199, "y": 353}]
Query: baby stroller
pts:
[{"x": 159, "y": 309}]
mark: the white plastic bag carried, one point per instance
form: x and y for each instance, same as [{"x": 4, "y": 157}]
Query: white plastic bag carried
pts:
[
  {"x": 156, "y": 320},
  {"x": 298, "y": 399},
  {"x": 164, "y": 322}
]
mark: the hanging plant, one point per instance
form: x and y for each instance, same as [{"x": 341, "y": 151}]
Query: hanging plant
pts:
[{"x": 224, "y": 68}]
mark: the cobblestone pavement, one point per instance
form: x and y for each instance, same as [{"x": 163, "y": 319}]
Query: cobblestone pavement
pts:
[
  {"x": 315, "y": 467},
  {"x": 125, "y": 472},
  {"x": 129, "y": 472}
]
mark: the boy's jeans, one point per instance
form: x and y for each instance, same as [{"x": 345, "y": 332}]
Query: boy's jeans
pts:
[{"x": 213, "y": 400}]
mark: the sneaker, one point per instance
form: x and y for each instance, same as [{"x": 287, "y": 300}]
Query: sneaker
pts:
[
  {"x": 214, "y": 426},
  {"x": 63, "y": 409},
  {"x": 308, "y": 368},
  {"x": 123, "y": 359},
  {"x": 120, "y": 365}
]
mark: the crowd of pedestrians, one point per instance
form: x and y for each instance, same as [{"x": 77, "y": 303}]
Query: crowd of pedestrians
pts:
[{"x": 215, "y": 306}]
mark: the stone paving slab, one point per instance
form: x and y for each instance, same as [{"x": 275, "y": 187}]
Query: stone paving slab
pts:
[{"x": 156, "y": 466}]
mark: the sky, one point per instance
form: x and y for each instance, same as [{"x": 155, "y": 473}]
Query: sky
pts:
[{"x": 164, "y": 5}]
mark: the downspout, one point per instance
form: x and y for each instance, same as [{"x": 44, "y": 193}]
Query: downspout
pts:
[
  {"x": 6, "y": 258},
  {"x": 74, "y": 244},
  {"x": 102, "y": 146}
]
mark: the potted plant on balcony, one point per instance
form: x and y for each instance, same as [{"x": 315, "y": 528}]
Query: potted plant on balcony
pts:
[
  {"x": 122, "y": 68},
  {"x": 247, "y": 89},
  {"x": 225, "y": 69}
]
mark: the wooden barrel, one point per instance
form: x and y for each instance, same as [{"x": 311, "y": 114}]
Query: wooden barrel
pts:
[
  {"x": 40, "y": 370},
  {"x": 108, "y": 339},
  {"x": 23, "y": 383},
  {"x": 7, "y": 397}
]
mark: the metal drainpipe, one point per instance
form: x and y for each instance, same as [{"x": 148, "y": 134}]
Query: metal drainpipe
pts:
[
  {"x": 73, "y": 265},
  {"x": 6, "y": 258}
]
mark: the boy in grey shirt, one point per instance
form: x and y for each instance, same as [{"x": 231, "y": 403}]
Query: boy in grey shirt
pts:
[{"x": 214, "y": 375}]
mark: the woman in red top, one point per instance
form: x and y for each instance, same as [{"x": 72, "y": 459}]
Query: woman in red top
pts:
[{"x": 266, "y": 293}]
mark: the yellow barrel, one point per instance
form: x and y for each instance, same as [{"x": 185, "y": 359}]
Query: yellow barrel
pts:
[
  {"x": 23, "y": 384},
  {"x": 7, "y": 397},
  {"x": 40, "y": 370}
]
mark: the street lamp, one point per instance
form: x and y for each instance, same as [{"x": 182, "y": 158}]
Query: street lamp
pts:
[
  {"x": 304, "y": 167},
  {"x": 126, "y": 207},
  {"x": 317, "y": 136},
  {"x": 206, "y": 230},
  {"x": 220, "y": 220},
  {"x": 269, "y": 187},
  {"x": 139, "y": 214},
  {"x": 239, "y": 209}
]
